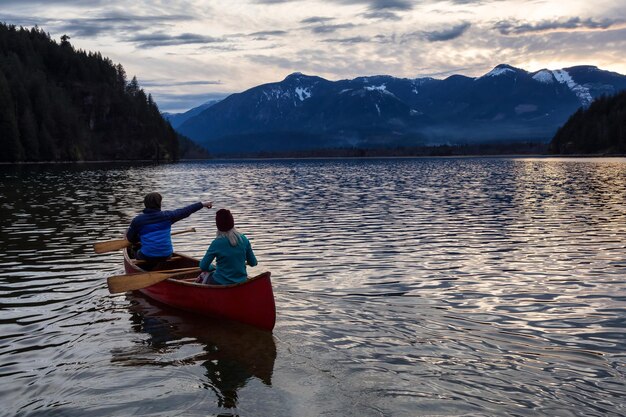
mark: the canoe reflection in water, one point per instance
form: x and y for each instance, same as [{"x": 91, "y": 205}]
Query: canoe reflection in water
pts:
[{"x": 232, "y": 352}]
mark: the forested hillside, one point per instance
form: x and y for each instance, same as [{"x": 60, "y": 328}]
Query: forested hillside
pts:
[
  {"x": 62, "y": 104},
  {"x": 600, "y": 129}
]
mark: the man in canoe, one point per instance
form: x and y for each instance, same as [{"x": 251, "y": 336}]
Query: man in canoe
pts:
[
  {"x": 153, "y": 228},
  {"x": 231, "y": 250}
]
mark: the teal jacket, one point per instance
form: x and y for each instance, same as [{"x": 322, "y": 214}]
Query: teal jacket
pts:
[{"x": 230, "y": 260}]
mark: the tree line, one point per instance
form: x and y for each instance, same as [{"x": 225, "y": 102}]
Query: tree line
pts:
[
  {"x": 58, "y": 103},
  {"x": 600, "y": 129},
  {"x": 474, "y": 149}
]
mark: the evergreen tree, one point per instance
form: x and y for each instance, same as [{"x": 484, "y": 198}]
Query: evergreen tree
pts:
[
  {"x": 9, "y": 134},
  {"x": 600, "y": 129},
  {"x": 28, "y": 131},
  {"x": 133, "y": 87},
  {"x": 59, "y": 103}
]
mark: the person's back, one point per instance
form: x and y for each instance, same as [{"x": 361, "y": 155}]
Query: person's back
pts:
[
  {"x": 152, "y": 228},
  {"x": 231, "y": 251}
]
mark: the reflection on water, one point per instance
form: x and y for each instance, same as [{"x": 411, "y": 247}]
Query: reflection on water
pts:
[
  {"x": 232, "y": 353},
  {"x": 403, "y": 287}
]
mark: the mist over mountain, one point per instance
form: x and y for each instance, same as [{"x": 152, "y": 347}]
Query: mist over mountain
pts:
[
  {"x": 177, "y": 119},
  {"x": 304, "y": 112}
]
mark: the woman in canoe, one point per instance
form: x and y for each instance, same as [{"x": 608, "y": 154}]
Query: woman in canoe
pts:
[{"x": 231, "y": 250}]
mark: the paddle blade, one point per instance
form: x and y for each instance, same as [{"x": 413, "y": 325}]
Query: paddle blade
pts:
[
  {"x": 131, "y": 282},
  {"x": 111, "y": 245}
]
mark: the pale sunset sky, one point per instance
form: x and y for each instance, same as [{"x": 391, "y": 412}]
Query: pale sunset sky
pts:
[{"x": 187, "y": 52}]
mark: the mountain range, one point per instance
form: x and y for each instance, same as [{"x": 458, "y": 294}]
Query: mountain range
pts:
[
  {"x": 177, "y": 119},
  {"x": 304, "y": 112}
]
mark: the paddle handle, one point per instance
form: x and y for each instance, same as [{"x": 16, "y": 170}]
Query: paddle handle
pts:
[
  {"x": 113, "y": 245},
  {"x": 180, "y": 232}
]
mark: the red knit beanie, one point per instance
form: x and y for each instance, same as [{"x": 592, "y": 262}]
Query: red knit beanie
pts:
[{"x": 224, "y": 220}]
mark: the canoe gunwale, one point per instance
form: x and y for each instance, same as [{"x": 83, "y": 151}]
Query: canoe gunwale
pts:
[{"x": 179, "y": 281}]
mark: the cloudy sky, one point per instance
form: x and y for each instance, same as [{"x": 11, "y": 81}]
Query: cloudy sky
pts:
[{"x": 187, "y": 52}]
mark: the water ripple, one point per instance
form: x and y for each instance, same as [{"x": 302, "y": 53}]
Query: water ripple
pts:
[{"x": 403, "y": 287}]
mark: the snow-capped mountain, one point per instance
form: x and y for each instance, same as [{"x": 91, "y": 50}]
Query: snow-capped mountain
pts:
[{"x": 307, "y": 112}]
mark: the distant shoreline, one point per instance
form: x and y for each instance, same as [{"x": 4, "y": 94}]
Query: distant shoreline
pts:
[
  {"x": 112, "y": 161},
  {"x": 512, "y": 156},
  {"x": 295, "y": 158}
]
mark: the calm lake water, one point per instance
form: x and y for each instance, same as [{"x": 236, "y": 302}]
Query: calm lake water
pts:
[{"x": 404, "y": 287}]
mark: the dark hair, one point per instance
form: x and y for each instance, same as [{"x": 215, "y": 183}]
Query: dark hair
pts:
[{"x": 152, "y": 201}]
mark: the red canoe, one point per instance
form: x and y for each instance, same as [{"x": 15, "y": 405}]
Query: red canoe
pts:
[{"x": 251, "y": 302}]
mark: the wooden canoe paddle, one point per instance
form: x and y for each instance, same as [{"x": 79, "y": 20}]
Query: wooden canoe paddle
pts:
[
  {"x": 113, "y": 245},
  {"x": 130, "y": 282}
]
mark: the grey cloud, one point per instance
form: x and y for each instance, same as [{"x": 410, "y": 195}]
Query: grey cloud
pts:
[
  {"x": 371, "y": 4},
  {"x": 353, "y": 40},
  {"x": 384, "y": 4},
  {"x": 381, "y": 4},
  {"x": 169, "y": 83},
  {"x": 564, "y": 43},
  {"x": 398, "y": 5},
  {"x": 386, "y": 38},
  {"x": 26, "y": 21},
  {"x": 316, "y": 19},
  {"x": 475, "y": 2},
  {"x": 117, "y": 16},
  {"x": 87, "y": 28},
  {"x": 270, "y": 33},
  {"x": 219, "y": 47},
  {"x": 446, "y": 34},
  {"x": 508, "y": 27},
  {"x": 85, "y": 3},
  {"x": 331, "y": 62},
  {"x": 319, "y": 24},
  {"x": 331, "y": 28},
  {"x": 114, "y": 22},
  {"x": 266, "y": 35},
  {"x": 381, "y": 15},
  {"x": 158, "y": 39},
  {"x": 200, "y": 50}
]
